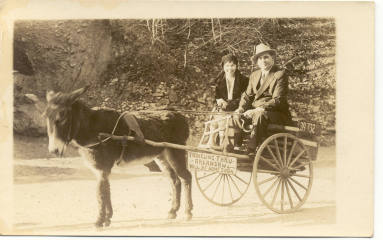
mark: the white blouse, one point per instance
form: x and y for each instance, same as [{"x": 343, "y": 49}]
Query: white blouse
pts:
[{"x": 230, "y": 87}]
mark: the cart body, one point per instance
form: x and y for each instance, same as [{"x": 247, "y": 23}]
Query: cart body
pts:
[{"x": 282, "y": 170}]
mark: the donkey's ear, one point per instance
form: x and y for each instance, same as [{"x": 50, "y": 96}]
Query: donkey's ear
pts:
[
  {"x": 77, "y": 93},
  {"x": 40, "y": 105}
]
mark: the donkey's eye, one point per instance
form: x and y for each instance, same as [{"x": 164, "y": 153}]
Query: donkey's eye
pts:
[
  {"x": 61, "y": 121},
  {"x": 62, "y": 114}
]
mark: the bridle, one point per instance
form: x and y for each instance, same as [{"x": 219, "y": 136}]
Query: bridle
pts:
[{"x": 69, "y": 137}]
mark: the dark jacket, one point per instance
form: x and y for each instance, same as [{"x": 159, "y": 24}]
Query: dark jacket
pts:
[
  {"x": 240, "y": 85},
  {"x": 274, "y": 98}
]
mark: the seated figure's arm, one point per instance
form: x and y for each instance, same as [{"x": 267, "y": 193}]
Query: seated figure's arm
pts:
[
  {"x": 219, "y": 97},
  {"x": 243, "y": 82},
  {"x": 246, "y": 97},
  {"x": 279, "y": 97}
]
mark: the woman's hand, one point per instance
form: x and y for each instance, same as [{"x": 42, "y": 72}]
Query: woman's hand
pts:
[
  {"x": 251, "y": 112},
  {"x": 239, "y": 110},
  {"x": 222, "y": 103}
]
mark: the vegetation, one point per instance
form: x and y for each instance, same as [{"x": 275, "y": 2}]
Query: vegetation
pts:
[{"x": 148, "y": 64}]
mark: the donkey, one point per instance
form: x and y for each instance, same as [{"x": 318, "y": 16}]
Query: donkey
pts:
[{"x": 70, "y": 120}]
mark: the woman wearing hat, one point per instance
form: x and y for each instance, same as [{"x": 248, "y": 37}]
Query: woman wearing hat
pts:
[
  {"x": 230, "y": 86},
  {"x": 265, "y": 99}
]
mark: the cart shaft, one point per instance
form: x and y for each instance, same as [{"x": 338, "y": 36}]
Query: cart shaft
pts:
[{"x": 175, "y": 146}]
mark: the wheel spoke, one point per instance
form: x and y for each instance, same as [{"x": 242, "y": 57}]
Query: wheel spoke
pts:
[
  {"x": 271, "y": 187},
  {"x": 199, "y": 178},
  {"x": 235, "y": 184},
  {"x": 211, "y": 183},
  {"x": 241, "y": 179},
  {"x": 288, "y": 194},
  {"x": 291, "y": 152},
  {"x": 267, "y": 180},
  {"x": 282, "y": 194},
  {"x": 295, "y": 191},
  {"x": 276, "y": 166},
  {"x": 272, "y": 154},
  {"x": 276, "y": 193},
  {"x": 223, "y": 187},
  {"x": 228, "y": 183},
  {"x": 301, "y": 175},
  {"x": 296, "y": 168},
  {"x": 297, "y": 157},
  {"x": 216, "y": 188},
  {"x": 278, "y": 152},
  {"x": 285, "y": 152},
  {"x": 301, "y": 164},
  {"x": 298, "y": 183},
  {"x": 269, "y": 163},
  {"x": 268, "y": 171}
]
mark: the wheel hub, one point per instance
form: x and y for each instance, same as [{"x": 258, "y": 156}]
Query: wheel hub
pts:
[{"x": 285, "y": 172}]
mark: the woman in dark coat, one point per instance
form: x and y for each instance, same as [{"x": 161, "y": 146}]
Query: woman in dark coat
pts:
[{"x": 230, "y": 86}]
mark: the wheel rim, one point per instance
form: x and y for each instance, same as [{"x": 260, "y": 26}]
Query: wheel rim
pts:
[
  {"x": 283, "y": 173},
  {"x": 223, "y": 189}
]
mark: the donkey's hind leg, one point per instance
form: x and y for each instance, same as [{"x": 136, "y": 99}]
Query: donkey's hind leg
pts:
[
  {"x": 175, "y": 183},
  {"x": 177, "y": 160}
]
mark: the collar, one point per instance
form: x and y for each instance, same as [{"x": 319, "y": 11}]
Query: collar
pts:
[
  {"x": 230, "y": 78},
  {"x": 265, "y": 72}
]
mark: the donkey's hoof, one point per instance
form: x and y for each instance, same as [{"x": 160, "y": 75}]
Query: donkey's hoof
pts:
[
  {"x": 99, "y": 225},
  {"x": 188, "y": 216},
  {"x": 107, "y": 223},
  {"x": 172, "y": 215}
]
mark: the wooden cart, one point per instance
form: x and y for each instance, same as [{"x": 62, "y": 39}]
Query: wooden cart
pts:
[{"x": 282, "y": 169}]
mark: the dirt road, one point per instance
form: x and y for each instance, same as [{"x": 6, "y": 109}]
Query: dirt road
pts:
[{"x": 57, "y": 196}]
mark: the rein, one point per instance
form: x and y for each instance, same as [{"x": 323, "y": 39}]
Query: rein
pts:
[
  {"x": 191, "y": 111},
  {"x": 241, "y": 122},
  {"x": 233, "y": 113},
  {"x": 106, "y": 139}
]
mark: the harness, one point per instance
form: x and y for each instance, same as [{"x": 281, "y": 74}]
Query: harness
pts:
[
  {"x": 124, "y": 141},
  {"x": 68, "y": 137}
]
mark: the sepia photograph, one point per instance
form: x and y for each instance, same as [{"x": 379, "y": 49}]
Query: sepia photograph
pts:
[{"x": 227, "y": 125}]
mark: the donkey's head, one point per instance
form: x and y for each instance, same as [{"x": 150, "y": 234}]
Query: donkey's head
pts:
[{"x": 58, "y": 112}]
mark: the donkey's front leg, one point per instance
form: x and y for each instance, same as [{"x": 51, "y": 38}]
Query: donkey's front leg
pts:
[{"x": 105, "y": 210}]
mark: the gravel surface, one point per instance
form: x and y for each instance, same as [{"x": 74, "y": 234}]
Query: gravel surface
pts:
[{"x": 57, "y": 197}]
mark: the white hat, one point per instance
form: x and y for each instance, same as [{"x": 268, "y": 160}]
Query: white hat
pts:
[{"x": 261, "y": 49}]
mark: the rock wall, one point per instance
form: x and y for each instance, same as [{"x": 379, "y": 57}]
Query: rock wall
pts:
[{"x": 62, "y": 55}]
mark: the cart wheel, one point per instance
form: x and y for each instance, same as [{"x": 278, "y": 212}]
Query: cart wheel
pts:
[
  {"x": 223, "y": 189},
  {"x": 283, "y": 173}
]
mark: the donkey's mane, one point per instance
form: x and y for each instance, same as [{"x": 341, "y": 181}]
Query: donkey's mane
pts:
[{"x": 60, "y": 100}]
